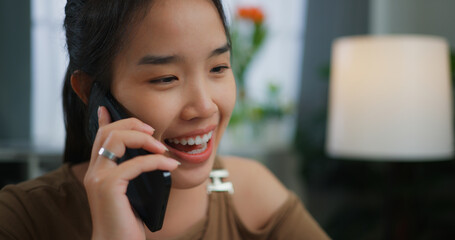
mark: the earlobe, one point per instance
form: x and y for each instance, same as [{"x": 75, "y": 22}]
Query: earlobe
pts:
[{"x": 81, "y": 84}]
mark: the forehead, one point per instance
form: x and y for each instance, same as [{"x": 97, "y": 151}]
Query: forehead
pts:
[{"x": 173, "y": 26}]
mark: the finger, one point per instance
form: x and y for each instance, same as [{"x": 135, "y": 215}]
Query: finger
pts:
[
  {"x": 132, "y": 168},
  {"x": 103, "y": 119},
  {"x": 119, "y": 140},
  {"x": 103, "y": 116},
  {"x": 124, "y": 124}
]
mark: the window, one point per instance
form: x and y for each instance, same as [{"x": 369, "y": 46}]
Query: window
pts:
[
  {"x": 280, "y": 58},
  {"x": 49, "y": 61}
]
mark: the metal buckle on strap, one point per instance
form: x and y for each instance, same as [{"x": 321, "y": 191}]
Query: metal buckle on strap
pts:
[{"x": 217, "y": 185}]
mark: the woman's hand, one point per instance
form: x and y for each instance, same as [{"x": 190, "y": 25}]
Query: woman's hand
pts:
[{"x": 106, "y": 181}]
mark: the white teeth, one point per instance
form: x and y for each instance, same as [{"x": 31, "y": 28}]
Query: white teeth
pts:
[
  {"x": 198, "y": 140},
  {"x": 192, "y": 141},
  {"x": 196, "y": 151}
]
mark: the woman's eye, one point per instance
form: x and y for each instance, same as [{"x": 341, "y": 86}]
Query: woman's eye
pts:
[
  {"x": 219, "y": 69},
  {"x": 164, "y": 80}
]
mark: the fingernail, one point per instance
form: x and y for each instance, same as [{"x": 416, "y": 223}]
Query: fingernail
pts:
[
  {"x": 99, "y": 111},
  {"x": 162, "y": 145},
  {"x": 149, "y": 128},
  {"x": 178, "y": 163}
]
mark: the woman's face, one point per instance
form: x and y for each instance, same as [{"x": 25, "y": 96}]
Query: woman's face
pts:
[{"x": 174, "y": 74}]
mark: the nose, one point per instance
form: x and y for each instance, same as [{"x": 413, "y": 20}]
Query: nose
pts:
[{"x": 200, "y": 103}]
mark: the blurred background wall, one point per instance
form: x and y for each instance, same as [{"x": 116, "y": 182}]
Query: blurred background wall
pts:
[
  {"x": 350, "y": 199},
  {"x": 15, "y": 67},
  {"x": 361, "y": 199},
  {"x": 413, "y": 16},
  {"x": 15, "y": 88}
]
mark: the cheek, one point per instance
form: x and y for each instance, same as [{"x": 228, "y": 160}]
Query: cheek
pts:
[
  {"x": 225, "y": 97},
  {"x": 153, "y": 109},
  {"x": 159, "y": 114}
]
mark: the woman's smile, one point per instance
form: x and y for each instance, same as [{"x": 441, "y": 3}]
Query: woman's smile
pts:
[{"x": 193, "y": 147}]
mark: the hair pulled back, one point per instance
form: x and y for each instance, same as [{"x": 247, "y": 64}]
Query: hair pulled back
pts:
[{"x": 96, "y": 30}]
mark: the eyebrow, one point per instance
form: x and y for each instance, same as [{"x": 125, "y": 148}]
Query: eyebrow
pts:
[
  {"x": 162, "y": 60},
  {"x": 225, "y": 48},
  {"x": 157, "y": 60}
]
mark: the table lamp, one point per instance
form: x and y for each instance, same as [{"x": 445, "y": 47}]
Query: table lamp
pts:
[{"x": 390, "y": 98}]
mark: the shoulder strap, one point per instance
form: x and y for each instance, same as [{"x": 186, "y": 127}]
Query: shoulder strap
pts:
[{"x": 217, "y": 164}]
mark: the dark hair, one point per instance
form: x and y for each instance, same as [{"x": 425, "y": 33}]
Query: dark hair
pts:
[{"x": 96, "y": 31}]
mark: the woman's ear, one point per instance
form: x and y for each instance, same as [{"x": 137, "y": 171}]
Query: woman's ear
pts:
[{"x": 81, "y": 84}]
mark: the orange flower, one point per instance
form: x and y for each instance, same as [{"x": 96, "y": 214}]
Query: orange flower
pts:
[{"x": 254, "y": 14}]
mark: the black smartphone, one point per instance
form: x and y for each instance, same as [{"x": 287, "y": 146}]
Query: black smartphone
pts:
[{"x": 149, "y": 192}]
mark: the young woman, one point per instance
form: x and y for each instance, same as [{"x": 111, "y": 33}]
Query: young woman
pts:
[{"x": 167, "y": 62}]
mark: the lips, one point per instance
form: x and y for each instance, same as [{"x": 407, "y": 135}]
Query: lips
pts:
[{"x": 194, "y": 149}]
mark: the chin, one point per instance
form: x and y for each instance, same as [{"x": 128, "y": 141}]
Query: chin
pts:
[
  {"x": 190, "y": 176},
  {"x": 193, "y": 173}
]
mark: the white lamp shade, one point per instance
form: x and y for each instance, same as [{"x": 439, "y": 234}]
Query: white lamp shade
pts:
[{"x": 390, "y": 99}]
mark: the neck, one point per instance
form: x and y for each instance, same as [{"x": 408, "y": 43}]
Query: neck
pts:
[{"x": 185, "y": 208}]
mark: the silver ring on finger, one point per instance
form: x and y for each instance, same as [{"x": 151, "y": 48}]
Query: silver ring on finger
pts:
[{"x": 108, "y": 154}]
